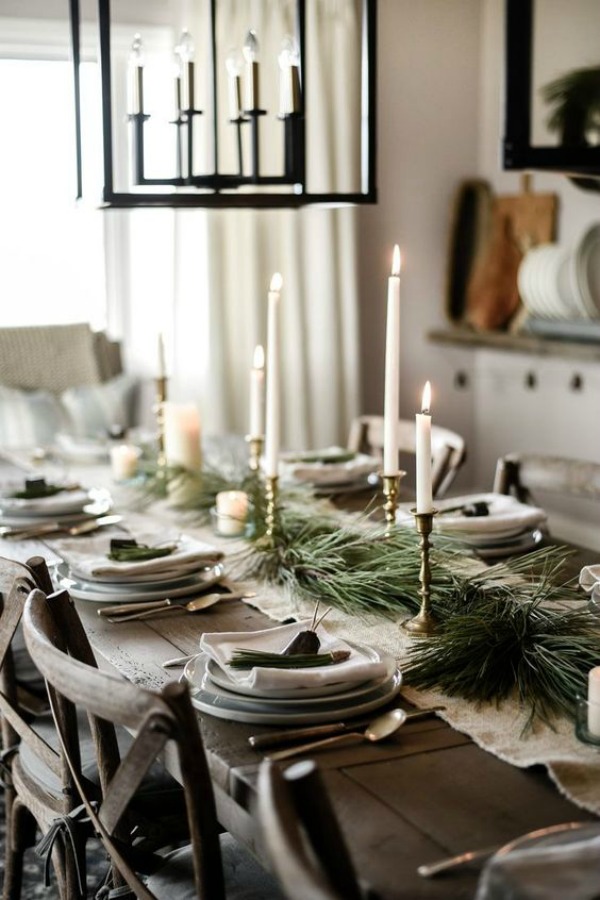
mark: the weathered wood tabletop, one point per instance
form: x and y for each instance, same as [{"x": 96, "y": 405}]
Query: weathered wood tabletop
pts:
[{"x": 423, "y": 794}]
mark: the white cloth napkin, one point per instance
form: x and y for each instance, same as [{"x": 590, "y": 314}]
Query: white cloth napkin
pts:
[
  {"x": 63, "y": 502},
  {"x": 506, "y": 516},
  {"x": 589, "y": 577},
  {"x": 568, "y": 872},
  {"x": 88, "y": 557},
  {"x": 360, "y": 666},
  {"x": 324, "y": 473}
]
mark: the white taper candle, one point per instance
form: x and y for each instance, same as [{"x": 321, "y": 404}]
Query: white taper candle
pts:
[
  {"x": 423, "y": 454},
  {"x": 391, "y": 412},
  {"x": 272, "y": 427}
]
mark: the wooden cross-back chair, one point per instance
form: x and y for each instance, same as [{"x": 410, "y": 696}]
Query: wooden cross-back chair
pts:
[
  {"x": 211, "y": 867},
  {"x": 27, "y": 805},
  {"x": 522, "y": 474},
  {"x": 302, "y": 835},
  {"x": 448, "y": 449},
  {"x": 40, "y": 794}
]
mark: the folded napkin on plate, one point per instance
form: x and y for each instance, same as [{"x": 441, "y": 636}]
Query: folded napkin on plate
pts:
[
  {"x": 88, "y": 557},
  {"x": 360, "y": 666},
  {"x": 589, "y": 578},
  {"x": 544, "y": 873},
  {"x": 62, "y": 501},
  {"x": 506, "y": 515},
  {"x": 326, "y": 469}
]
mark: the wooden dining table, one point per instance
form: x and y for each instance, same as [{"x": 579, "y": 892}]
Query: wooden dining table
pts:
[{"x": 423, "y": 794}]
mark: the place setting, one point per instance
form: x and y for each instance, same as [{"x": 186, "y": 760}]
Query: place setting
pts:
[
  {"x": 35, "y": 507},
  {"x": 331, "y": 470},
  {"x": 493, "y": 525},
  {"x": 133, "y": 570},
  {"x": 293, "y": 674}
]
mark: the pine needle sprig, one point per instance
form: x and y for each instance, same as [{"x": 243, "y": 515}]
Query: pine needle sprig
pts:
[{"x": 499, "y": 639}]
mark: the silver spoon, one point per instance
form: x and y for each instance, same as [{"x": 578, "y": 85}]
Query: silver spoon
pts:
[
  {"x": 196, "y": 605},
  {"x": 377, "y": 730}
]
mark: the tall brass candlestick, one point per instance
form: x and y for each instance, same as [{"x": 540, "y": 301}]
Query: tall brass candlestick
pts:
[
  {"x": 391, "y": 488},
  {"x": 159, "y": 412},
  {"x": 255, "y": 449},
  {"x": 271, "y": 514},
  {"x": 424, "y": 623}
]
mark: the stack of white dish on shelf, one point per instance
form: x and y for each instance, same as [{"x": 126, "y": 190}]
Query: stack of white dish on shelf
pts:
[
  {"x": 563, "y": 283},
  {"x": 493, "y": 525},
  {"x": 70, "y": 504},
  {"x": 88, "y": 573},
  {"x": 297, "y": 696}
]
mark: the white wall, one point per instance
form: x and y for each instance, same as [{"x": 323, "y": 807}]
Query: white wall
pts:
[
  {"x": 440, "y": 113},
  {"x": 428, "y": 127}
]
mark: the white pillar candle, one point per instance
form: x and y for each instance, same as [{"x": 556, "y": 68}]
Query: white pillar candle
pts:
[
  {"x": 124, "y": 461},
  {"x": 423, "y": 454},
  {"x": 257, "y": 391},
  {"x": 182, "y": 435},
  {"x": 232, "y": 512},
  {"x": 594, "y": 701},
  {"x": 391, "y": 413},
  {"x": 272, "y": 412}
]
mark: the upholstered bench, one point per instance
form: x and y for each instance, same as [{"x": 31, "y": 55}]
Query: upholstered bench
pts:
[{"x": 60, "y": 379}]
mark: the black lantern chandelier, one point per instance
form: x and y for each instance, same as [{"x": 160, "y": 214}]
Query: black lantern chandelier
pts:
[{"x": 249, "y": 183}]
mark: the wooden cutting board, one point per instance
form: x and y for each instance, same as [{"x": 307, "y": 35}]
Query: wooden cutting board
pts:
[
  {"x": 532, "y": 216},
  {"x": 519, "y": 222}
]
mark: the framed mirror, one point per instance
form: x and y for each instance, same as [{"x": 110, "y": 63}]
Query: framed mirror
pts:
[{"x": 552, "y": 99}]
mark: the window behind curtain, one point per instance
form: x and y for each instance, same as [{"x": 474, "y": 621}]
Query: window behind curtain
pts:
[{"x": 51, "y": 249}]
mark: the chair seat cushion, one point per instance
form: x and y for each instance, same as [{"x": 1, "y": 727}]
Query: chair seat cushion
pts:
[
  {"x": 245, "y": 879},
  {"x": 158, "y": 794}
]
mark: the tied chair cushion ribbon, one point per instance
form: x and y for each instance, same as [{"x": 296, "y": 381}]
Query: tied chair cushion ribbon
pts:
[{"x": 65, "y": 828}]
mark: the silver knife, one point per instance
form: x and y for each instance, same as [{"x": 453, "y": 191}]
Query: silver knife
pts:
[{"x": 47, "y": 528}]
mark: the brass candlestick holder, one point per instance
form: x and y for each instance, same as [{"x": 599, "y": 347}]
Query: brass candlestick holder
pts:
[
  {"x": 272, "y": 510},
  {"x": 424, "y": 623},
  {"x": 391, "y": 489},
  {"x": 255, "y": 449},
  {"x": 159, "y": 412}
]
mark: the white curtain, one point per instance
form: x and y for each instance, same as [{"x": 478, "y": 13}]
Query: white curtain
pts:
[{"x": 207, "y": 288}]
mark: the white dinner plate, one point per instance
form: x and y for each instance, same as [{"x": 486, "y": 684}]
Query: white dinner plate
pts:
[
  {"x": 101, "y": 504},
  {"x": 216, "y": 702},
  {"x": 165, "y": 578},
  {"x": 130, "y": 593},
  {"x": 219, "y": 677},
  {"x": 523, "y": 544}
]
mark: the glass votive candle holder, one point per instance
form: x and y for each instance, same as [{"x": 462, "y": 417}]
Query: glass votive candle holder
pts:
[
  {"x": 124, "y": 461},
  {"x": 230, "y": 513},
  {"x": 587, "y": 722}
]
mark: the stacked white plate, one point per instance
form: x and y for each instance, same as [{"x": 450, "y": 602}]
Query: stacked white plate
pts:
[
  {"x": 276, "y": 697},
  {"x": 89, "y": 573},
  {"x": 509, "y": 528},
  {"x": 66, "y": 507},
  {"x": 140, "y": 588},
  {"x": 330, "y": 469},
  {"x": 557, "y": 282}
]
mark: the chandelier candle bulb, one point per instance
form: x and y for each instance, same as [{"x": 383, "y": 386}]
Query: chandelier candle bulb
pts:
[
  {"x": 391, "y": 413},
  {"x": 423, "y": 454},
  {"x": 232, "y": 512},
  {"x": 182, "y": 435},
  {"x": 251, "y": 50},
  {"x": 594, "y": 701},
  {"x": 186, "y": 53},
  {"x": 137, "y": 76},
  {"x": 257, "y": 390},
  {"x": 234, "y": 65},
  {"x": 273, "y": 375}
]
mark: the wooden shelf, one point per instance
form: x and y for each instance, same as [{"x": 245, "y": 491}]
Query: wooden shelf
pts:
[{"x": 516, "y": 343}]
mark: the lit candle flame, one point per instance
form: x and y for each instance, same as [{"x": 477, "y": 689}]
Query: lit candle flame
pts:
[
  {"x": 396, "y": 260},
  {"x": 259, "y": 357},
  {"x": 426, "y": 401},
  {"x": 276, "y": 282}
]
